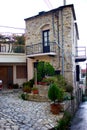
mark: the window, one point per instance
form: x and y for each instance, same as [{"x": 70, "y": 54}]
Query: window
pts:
[
  {"x": 46, "y": 37},
  {"x": 46, "y": 46}
]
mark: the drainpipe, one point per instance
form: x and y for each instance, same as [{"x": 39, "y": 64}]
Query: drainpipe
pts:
[
  {"x": 58, "y": 37},
  {"x": 62, "y": 43},
  {"x": 53, "y": 26}
]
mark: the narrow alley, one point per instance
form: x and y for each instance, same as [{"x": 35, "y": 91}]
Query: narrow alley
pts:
[{"x": 79, "y": 122}]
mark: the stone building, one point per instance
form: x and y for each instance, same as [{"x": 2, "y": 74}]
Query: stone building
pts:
[{"x": 52, "y": 36}]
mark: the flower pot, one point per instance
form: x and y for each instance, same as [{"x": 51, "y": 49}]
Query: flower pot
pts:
[
  {"x": 35, "y": 91},
  {"x": 55, "y": 108}
]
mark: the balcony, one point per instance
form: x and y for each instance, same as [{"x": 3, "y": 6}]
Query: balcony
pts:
[
  {"x": 10, "y": 53},
  {"x": 80, "y": 54},
  {"x": 38, "y": 50},
  {"x": 11, "y": 48}
]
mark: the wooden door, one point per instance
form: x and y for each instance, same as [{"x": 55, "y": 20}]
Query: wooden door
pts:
[{"x": 6, "y": 75}]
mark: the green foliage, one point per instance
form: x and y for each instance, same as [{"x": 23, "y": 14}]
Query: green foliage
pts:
[
  {"x": 15, "y": 86},
  {"x": 69, "y": 88},
  {"x": 40, "y": 71},
  {"x": 61, "y": 94},
  {"x": 31, "y": 82},
  {"x": 35, "y": 88},
  {"x": 48, "y": 69},
  {"x": 43, "y": 69},
  {"x": 61, "y": 81},
  {"x": 51, "y": 79},
  {"x": 19, "y": 49},
  {"x": 67, "y": 96},
  {"x": 63, "y": 123},
  {"x": 55, "y": 93},
  {"x": 27, "y": 86},
  {"x": 19, "y": 40},
  {"x": 27, "y": 89},
  {"x": 24, "y": 96}
]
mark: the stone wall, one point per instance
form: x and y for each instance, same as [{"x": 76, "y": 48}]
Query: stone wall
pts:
[{"x": 62, "y": 31}]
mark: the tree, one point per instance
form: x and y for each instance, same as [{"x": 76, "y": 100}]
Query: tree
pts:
[
  {"x": 43, "y": 69},
  {"x": 19, "y": 39}
]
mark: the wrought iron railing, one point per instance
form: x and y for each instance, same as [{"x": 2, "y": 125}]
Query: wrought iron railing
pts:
[
  {"x": 80, "y": 54},
  {"x": 80, "y": 51},
  {"x": 38, "y": 48}
]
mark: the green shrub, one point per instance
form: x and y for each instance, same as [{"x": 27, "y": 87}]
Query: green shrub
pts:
[
  {"x": 48, "y": 68},
  {"x": 31, "y": 82},
  {"x": 27, "y": 86},
  {"x": 43, "y": 69},
  {"x": 19, "y": 49},
  {"x": 40, "y": 71},
  {"x": 55, "y": 93},
  {"x": 61, "y": 81},
  {"x": 15, "y": 86},
  {"x": 50, "y": 79},
  {"x": 69, "y": 88},
  {"x": 24, "y": 96},
  {"x": 27, "y": 89},
  {"x": 64, "y": 122}
]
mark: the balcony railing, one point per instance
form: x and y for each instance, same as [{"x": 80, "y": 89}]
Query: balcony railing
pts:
[
  {"x": 11, "y": 48},
  {"x": 80, "y": 54},
  {"x": 38, "y": 48}
]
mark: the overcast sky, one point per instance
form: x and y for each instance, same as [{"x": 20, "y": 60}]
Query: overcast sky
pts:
[{"x": 13, "y": 13}]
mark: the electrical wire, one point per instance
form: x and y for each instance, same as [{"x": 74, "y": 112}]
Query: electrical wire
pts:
[
  {"x": 8, "y": 32},
  {"x": 48, "y": 3},
  {"x": 12, "y": 27}
]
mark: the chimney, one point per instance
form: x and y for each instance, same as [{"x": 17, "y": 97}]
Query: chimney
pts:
[{"x": 64, "y": 2}]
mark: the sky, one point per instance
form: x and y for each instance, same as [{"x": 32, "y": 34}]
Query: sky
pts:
[{"x": 13, "y": 13}]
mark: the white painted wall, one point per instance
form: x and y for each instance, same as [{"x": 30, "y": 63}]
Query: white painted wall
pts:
[
  {"x": 15, "y": 80},
  {"x": 30, "y": 68},
  {"x": 12, "y": 58}
]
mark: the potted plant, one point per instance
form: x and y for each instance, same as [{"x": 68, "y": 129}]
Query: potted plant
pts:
[
  {"x": 10, "y": 86},
  {"x": 26, "y": 87},
  {"x": 55, "y": 94},
  {"x": 15, "y": 86},
  {"x": 69, "y": 88},
  {"x": 35, "y": 90}
]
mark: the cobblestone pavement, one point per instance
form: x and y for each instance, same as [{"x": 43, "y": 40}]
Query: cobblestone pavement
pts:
[
  {"x": 17, "y": 114},
  {"x": 79, "y": 121}
]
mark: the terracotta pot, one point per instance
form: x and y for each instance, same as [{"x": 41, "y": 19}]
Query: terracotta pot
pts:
[
  {"x": 42, "y": 83},
  {"x": 35, "y": 91},
  {"x": 55, "y": 108}
]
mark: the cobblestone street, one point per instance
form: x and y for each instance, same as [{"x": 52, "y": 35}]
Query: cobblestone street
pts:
[{"x": 17, "y": 114}]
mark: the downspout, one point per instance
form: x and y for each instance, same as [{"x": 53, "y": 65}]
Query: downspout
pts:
[
  {"x": 56, "y": 41},
  {"x": 53, "y": 26},
  {"x": 58, "y": 37},
  {"x": 62, "y": 43}
]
